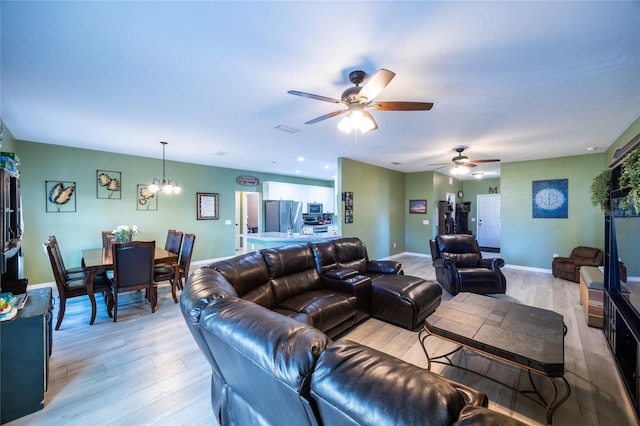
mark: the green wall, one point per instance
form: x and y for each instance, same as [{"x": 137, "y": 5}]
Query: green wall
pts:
[
  {"x": 419, "y": 186},
  {"x": 532, "y": 242},
  {"x": 80, "y": 230},
  {"x": 378, "y": 206},
  {"x": 381, "y": 202}
]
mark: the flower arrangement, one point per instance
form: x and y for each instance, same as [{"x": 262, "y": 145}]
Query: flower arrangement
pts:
[{"x": 125, "y": 233}]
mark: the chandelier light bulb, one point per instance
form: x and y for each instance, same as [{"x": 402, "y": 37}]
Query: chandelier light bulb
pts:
[{"x": 164, "y": 185}]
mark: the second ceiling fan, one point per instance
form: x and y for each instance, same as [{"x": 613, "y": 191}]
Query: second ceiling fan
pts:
[
  {"x": 460, "y": 164},
  {"x": 358, "y": 98}
]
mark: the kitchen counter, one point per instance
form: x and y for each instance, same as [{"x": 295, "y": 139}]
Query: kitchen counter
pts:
[{"x": 262, "y": 240}]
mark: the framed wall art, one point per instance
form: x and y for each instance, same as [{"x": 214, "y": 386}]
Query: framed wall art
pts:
[
  {"x": 146, "y": 200},
  {"x": 61, "y": 196},
  {"x": 348, "y": 207},
  {"x": 418, "y": 206},
  {"x": 550, "y": 199},
  {"x": 207, "y": 205},
  {"x": 108, "y": 184}
]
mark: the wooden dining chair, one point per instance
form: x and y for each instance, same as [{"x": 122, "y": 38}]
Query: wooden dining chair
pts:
[
  {"x": 174, "y": 241},
  {"x": 133, "y": 270},
  {"x": 172, "y": 244},
  {"x": 70, "y": 285},
  {"x": 188, "y": 241},
  {"x": 75, "y": 271},
  {"x": 107, "y": 240}
]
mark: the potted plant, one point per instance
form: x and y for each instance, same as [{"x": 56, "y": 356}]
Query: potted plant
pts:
[
  {"x": 630, "y": 177},
  {"x": 600, "y": 190}
]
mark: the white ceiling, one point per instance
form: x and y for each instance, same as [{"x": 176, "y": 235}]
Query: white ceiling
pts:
[{"x": 510, "y": 80}]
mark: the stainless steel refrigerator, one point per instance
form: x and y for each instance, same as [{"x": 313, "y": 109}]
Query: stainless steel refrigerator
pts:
[{"x": 282, "y": 216}]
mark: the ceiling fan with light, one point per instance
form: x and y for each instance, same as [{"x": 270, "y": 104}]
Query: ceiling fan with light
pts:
[
  {"x": 460, "y": 164},
  {"x": 358, "y": 98}
]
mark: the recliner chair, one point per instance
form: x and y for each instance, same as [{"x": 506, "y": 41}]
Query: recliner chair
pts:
[
  {"x": 569, "y": 267},
  {"x": 460, "y": 267}
]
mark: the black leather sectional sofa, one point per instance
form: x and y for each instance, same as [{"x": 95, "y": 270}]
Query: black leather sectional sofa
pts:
[{"x": 265, "y": 321}]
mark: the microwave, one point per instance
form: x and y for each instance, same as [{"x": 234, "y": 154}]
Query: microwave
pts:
[{"x": 314, "y": 208}]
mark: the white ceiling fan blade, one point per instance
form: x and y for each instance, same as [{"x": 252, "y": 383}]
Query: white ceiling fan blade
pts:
[{"x": 375, "y": 84}]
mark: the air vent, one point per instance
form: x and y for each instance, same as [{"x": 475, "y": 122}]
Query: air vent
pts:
[{"x": 220, "y": 153}]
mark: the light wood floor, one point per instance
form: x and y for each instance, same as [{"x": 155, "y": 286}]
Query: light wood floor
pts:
[{"x": 146, "y": 369}]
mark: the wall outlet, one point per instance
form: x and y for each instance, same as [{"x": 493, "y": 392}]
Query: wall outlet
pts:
[
  {"x": 473, "y": 219},
  {"x": 227, "y": 222},
  {"x": 394, "y": 245},
  {"x": 425, "y": 222},
  {"x": 555, "y": 254}
]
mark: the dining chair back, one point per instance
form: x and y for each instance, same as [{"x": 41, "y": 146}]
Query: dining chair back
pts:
[
  {"x": 107, "y": 240},
  {"x": 73, "y": 272},
  {"x": 133, "y": 270},
  {"x": 174, "y": 241},
  {"x": 188, "y": 241},
  {"x": 72, "y": 285},
  {"x": 169, "y": 273}
]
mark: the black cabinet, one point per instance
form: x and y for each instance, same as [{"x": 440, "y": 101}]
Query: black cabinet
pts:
[
  {"x": 621, "y": 307},
  {"x": 26, "y": 346}
]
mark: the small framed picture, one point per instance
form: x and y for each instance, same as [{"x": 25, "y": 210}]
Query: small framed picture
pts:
[
  {"x": 207, "y": 205},
  {"x": 61, "y": 196},
  {"x": 418, "y": 206},
  {"x": 145, "y": 199},
  {"x": 108, "y": 184}
]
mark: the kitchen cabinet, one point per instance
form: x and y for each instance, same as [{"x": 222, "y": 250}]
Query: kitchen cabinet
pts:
[{"x": 303, "y": 193}]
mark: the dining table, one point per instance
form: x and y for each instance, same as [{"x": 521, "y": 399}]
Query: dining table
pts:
[{"x": 100, "y": 260}]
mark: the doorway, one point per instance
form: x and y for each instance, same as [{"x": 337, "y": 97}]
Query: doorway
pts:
[
  {"x": 247, "y": 216},
  {"x": 488, "y": 221}
]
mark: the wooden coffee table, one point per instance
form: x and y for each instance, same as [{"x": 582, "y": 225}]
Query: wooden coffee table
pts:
[{"x": 529, "y": 337}]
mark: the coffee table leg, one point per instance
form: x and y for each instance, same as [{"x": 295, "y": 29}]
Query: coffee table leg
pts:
[
  {"x": 555, "y": 402},
  {"x": 422, "y": 336}
]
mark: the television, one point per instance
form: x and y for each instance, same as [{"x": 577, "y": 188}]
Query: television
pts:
[{"x": 314, "y": 208}]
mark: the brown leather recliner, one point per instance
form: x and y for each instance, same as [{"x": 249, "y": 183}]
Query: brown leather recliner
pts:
[
  {"x": 569, "y": 267},
  {"x": 460, "y": 267}
]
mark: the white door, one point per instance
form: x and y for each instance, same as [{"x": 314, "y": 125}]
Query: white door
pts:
[{"x": 488, "y": 220}]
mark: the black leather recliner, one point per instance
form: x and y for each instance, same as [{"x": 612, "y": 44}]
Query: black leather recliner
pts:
[{"x": 460, "y": 267}]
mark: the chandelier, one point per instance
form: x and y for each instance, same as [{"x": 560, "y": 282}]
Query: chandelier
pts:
[{"x": 165, "y": 185}]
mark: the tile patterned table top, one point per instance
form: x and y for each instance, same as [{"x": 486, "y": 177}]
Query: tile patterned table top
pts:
[{"x": 527, "y": 336}]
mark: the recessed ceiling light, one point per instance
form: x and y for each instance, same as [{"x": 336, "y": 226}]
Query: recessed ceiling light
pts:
[
  {"x": 300, "y": 159},
  {"x": 594, "y": 148},
  {"x": 297, "y": 171},
  {"x": 326, "y": 166}
]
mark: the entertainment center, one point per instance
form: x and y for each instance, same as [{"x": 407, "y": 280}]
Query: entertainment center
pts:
[{"x": 621, "y": 300}]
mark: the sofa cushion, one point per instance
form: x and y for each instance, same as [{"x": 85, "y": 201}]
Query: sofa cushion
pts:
[
  {"x": 248, "y": 274},
  {"x": 292, "y": 271},
  {"x": 326, "y": 308},
  {"x": 463, "y": 260}
]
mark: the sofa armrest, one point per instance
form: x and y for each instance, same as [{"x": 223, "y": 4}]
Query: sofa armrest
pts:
[
  {"x": 358, "y": 286},
  {"x": 384, "y": 267},
  {"x": 340, "y": 274},
  {"x": 561, "y": 259},
  {"x": 492, "y": 263}
]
